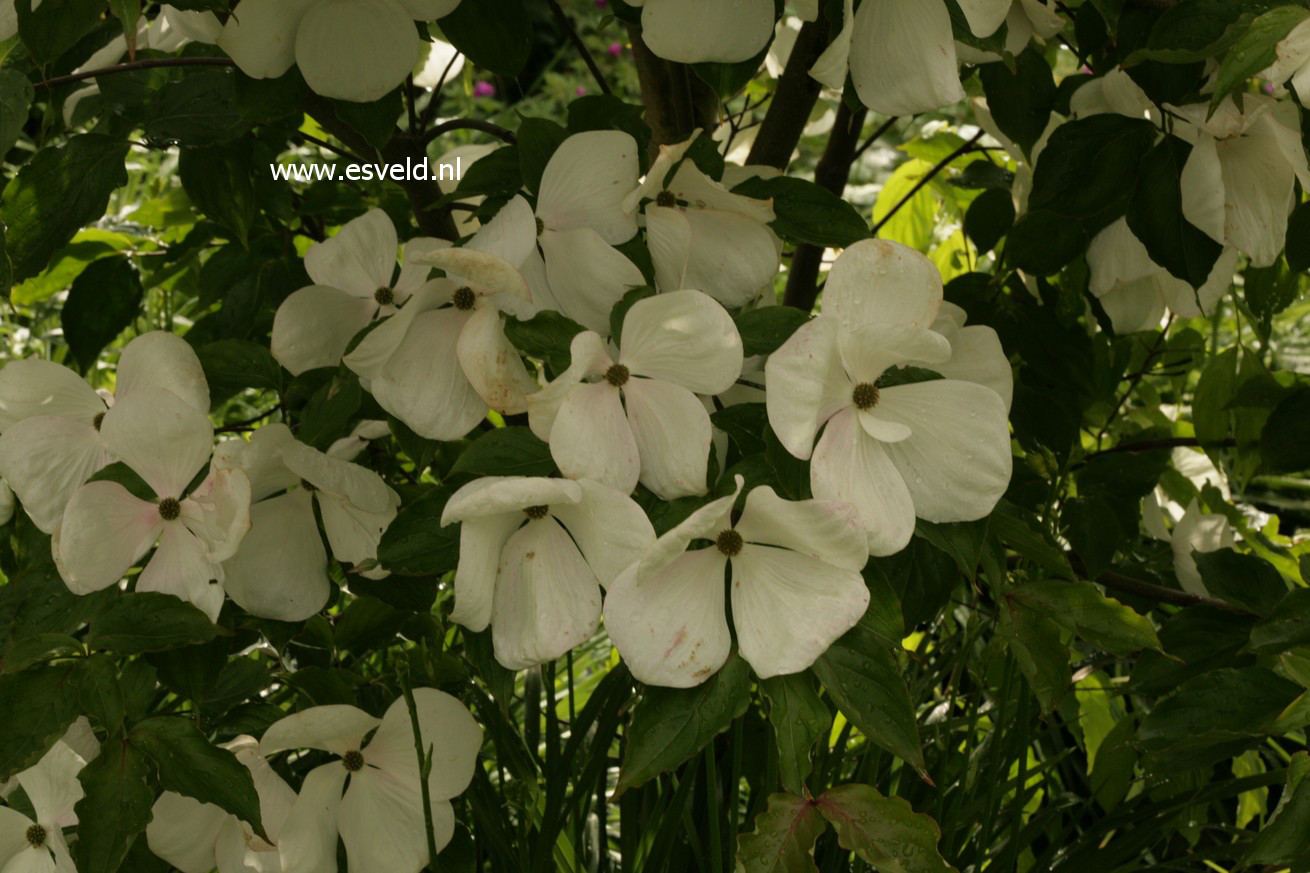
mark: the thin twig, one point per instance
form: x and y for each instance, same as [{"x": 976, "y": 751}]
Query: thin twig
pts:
[
  {"x": 874, "y": 137},
  {"x": 336, "y": 150},
  {"x": 470, "y": 124},
  {"x": 150, "y": 64},
  {"x": 240, "y": 426},
  {"x": 430, "y": 111},
  {"x": 424, "y": 761},
  {"x": 1164, "y": 443},
  {"x": 928, "y": 177},
  {"x": 576, "y": 39}
]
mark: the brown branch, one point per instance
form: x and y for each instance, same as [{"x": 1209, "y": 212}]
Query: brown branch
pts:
[
  {"x": 1164, "y": 443},
  {"x": 153, "y": 63},
  {"x": 928, "y": 177},
  {"x": 677, "y": 101},
  {"x": 832, "y": 171},
  {"x": 793, "y": 98},
  {"x": 1150, "y": 591},
  {"x": 576, "y": 39},
  {"x": 470, "y": 124}
]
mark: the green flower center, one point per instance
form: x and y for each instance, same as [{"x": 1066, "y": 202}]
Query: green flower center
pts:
[
  {"x": 384, "y": 296},
  {"x": 353, "y": 761},
  {"x": 617, "y": 375},
  {"x": 865, "y": 396},
  {"x": 36, "y": 836},
  {"x": 535, "y": 512},
  {"x": 169, "y": 509},
  {"x": 729, "y": 542},
  {"x": 463, "y": 298}
]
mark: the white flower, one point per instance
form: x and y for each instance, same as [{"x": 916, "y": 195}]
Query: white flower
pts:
[
  {"x": 197, "y": 837},
  {"x": 352, "y": 274},
  {"x": 280, "y": 569},
  {"x": 1197, "y": 531},
  {"x": 50, "y": 440},
  {"x": 105, "y": 529},
  {"x": 581, "y": 215},
  {"x": 349, "y": 446},
  {"x": 796, "y": 587},
  {"x": 938, "y": 449},
  {"x": 1026, "y": 19},
  {"x": 441, "y": 60},
  {"x": 1238, "y": 184},
  {"x": 695, "y": 31},
  {"x": 533, "y": 556},
  {"x": 440, "y": 362},
  {"x": 347, "y": 49},
  {"x": 1292, "y": 64},
  {"x": 703, "y": 236},
  {"x": 901, "y": 53},
  {"x": 37, "y": 846},
  {"x": 637, "y": 418},
  {"x": 380, "y": 815}
]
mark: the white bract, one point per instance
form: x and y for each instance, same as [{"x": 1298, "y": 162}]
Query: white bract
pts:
[
  {"x": 50, "y": 419},
  {"x": 197, "y": 837},
  {"x": 1292, "y": 63},
  {"x": 1197, "y": 531},
  {"x": 1026, "y": 19},
  {"x": 695, "y": 31},
  {"x": 636, "y": 417},
  {"x": 37, "y": 845},
  {"x": 379, "y": 812},
  {"x": 106, "y": 529},
  {"x": 938, "y": 449},
  {"x": 796, "y": 587},
  {"x": 353, "y": 275},
  {"x": 703, "y": 236},
  {"x": 347, "y": 49},
  {"x": 443, "y": 359},
  {"x": 534, "y": 554}
]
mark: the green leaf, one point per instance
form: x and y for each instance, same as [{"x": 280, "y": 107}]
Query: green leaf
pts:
[
  {"x": 1155, "y": 216},
  {"x": 1287, "y": 627},
  {"x": 57, "y": 192},
  {"x": 1038, "y": 645},
  {"x": 199, "y": 109},
  {"x": 1094, "y": 532},
  {"x": 232, "y": 365},
  {"x": 190, "y": 765},
  {"x": 1285, "y": 838},
  {"x": 989, "y": 217},
  {"x": 1254, "y": 50},
  {"x": 329, "y": 411},
  {"x": 745, "y": 424},
  {"x": 884, "y": 831},
  {"x": 115, "y": 808},
  {"x": 47, "y": 699},
  {"x": 416, "y": 544},
  {"x": 1198, "y": 30},
  {"x": 496, "y": 174},
  {"x": 1285, "y": 440},
  {"x": 374, "y": 121},
  {"x": 963, "y": 541},
  {"x": 1081, "y": 608},
  {"x": 103, "y": 301},
  {"x": 547, "y": 336},
  {"x": 619, "y": 311},
  {"x": 148, "y": 622},
  {"x": 1042, "y": 242},
  {"x": 607, "y": 112},
  {"x": 506, "y": 451},
  {"x": 784, "y": 837},
  {"x": 799, "y": 719},
  {"x": 219, "y": 180},
  {"x": 16, "y": 95},
  {"x": 99, "y": 694},
  {"x": 764, "y": 330},
  {"x": 1243, "y": 579},
  {"x": 1020, "y": 96},
  {"x": 670, "y": 725},
  {"x": 1298, "y": 238},
  {"x": 538, "y": 139},
  {"x": 494, "y": 34},
  {"x": 807, "y": 213},
  {"x": 865, "y": 681},
  {"x": 50, "y": 29}
]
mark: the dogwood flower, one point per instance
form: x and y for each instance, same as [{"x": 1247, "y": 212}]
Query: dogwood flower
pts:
[
  {"x": 50, "y": 419},
  {"x": 938, "y": 449},
  {"x": 440, "y": 362},
  {"x": 280, "y": 569},
  {"x": 581, "y": 216},
  {"x": 1025, "y": 19},
  {"x": 703, "y": 236},
  {"x": 346, "y": 49},
  {"x": 52, "y": 788},
  {"x": 197, "y": 837},
  {"x": 534, "y": 554},
  {"x": 1136, "y": 291},
  {"x": 1197, "y": 531},
  {"x": 1292, "y": 62},
  {"x": 695, "y": 31},
  {"x": 1238, "y": 182},
  {"x": 105, "y": 529},
  {"x": 796, "y": 587},
  {"x": 372, "y": 795},
  {"x": 352, "y": 274},
  {"x": 976, "y": 353},
  {"x": 901, "y": 53},
  {"x": 637, "y": 418}
]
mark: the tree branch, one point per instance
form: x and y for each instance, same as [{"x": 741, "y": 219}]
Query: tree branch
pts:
[
  {"x": 1164, "y": 443},
  {"x": 832, "y": 171},
  {"x": 1150, "y": 591},
  {"x": 793, "y": 98},
  {"x": 576, "y": 39},
  {"x": 928, "y": 177},
  {"x": 152, "y": 63},
  {"x": 677, "y": 101},
  {"x": 470, "y": 124}
]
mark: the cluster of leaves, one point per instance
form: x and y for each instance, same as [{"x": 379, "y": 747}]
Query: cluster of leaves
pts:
[{"x": 1034, "y": 690}]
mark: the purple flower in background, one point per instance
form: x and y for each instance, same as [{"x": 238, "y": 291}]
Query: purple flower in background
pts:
[
  {"x": 1269, "y": 87},
  {"x": 615, "y": 49},
  {"x": 580, "y": 91},
  {"x": 601, "y": 4},
  {"x": 484, "y": 89}
]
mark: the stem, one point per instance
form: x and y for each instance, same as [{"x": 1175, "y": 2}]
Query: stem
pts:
[
  {"x": 677, "y": 102},
  {"x": 576, "y": 39},
  {"x": 1165, "y": 443},
  {"x": 424, "y": 760},
  {"x": 1150, "y": 591},
  {"x": 793, "y": 99},
  {"x": 470, "y": 124},
  {"x": 150, "y": 64},
  {"x": 928, "y": 177}
]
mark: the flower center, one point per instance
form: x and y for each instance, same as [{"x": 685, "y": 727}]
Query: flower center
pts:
[
  {"x": 384, "y": 296},
  {"x": 353, "y": 761},
  {"x": 617, "y": 375},
  {"x": 463, "y": 298},
  {"x": 535, "y": 512},
  {"x": 36, "y": 836},
  {"x": 169, "y": 509},
  {"x": 865, "y": 395},
  {"x": 665, "y": 198},
  {"x": 729, "y": 542},
  {"x": 98, "y": 420}
]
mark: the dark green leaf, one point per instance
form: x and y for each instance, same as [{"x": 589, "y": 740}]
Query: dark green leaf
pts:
[
  {"x": 103, "y": 301},
  {"x": 799, "y": 719},
  {"x": 232, "y": 365},
  {"x": 1156, "y": 216},
  {"x": 806, "y": 212},
  {"x": 884, "y": 831},
  {"x": 1243, "y": 579},
  {"x": 375, "y": 121},
  {"x": 494, "y": 34},
  {"x": 1254, "y": 50},
  {"x": 1288, "y": 626},
  {"x": 199, "y": 109},
  {"x": 1285, "y": 838},
  {"x": 498, "y": 173},
  {"x": 547, "y": 336},
  {"x": 745, "y": 424},
  {"x": 50, "y": 29},
  {"x": 1038, "y": 646},
  {"x": 1042, "y": 242},
  {"x": 764, "y": 330},
  {"x": 989, "y": 217},
  {"x": 506, "y": 451},
  {"x": 538, "y": 139},
  {"x": 219, "y": 181},
  {"x": 1298, "y": 238},
  {"x": 1020, "y": 96},
  {"x": 99, "y": 694},
  {"x": 47, "y": 699},
  {"x": 16, "y": 95},
  {"x": 328, "y": 414},
  {"x": 148, "y": 622},
  {"x": 115, "y": 808},
  {"x": 619, "y": 311},
  {"x": 1285, "y": 441},
  {"x": 1082, "y": 609},
  {"x": 783, "y": 838}
]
